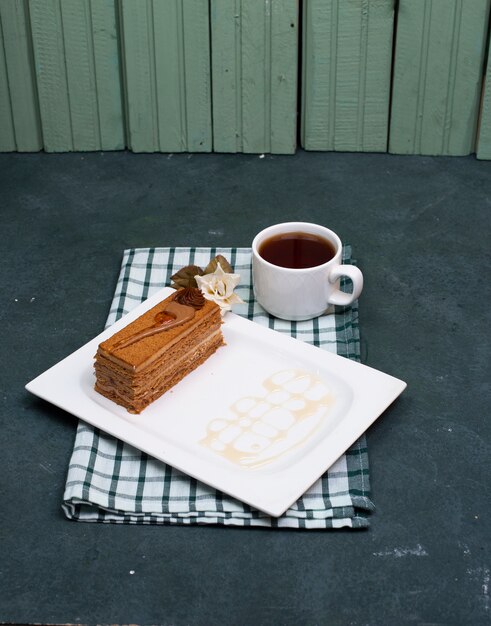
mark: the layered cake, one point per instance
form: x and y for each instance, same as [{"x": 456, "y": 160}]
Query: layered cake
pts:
[{"x": 145, "y": 359}]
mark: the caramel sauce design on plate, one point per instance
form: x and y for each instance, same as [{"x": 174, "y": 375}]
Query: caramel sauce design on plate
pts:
[
  {"x": 262, "y": 429},
  {"x": 179, "y": 310}
]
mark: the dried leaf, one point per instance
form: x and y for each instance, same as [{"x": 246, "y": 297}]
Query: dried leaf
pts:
[
  {"x": 185, "y": 277},
  {"x": 224, "y": 264}
]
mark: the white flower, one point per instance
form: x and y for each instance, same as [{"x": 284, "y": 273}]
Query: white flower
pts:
[{"x": 219, "y": 287}]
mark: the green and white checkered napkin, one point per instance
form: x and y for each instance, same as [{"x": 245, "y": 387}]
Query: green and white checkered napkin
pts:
[{"x": 111, "y": 481}]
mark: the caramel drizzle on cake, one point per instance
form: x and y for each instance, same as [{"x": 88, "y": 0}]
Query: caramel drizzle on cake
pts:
[{"x": 180, "y": 309}]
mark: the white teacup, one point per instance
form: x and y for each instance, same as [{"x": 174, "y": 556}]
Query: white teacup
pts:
[{"x": 296, "y": 294}]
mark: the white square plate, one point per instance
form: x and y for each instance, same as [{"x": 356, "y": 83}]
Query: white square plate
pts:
[{"x": 261, "y": 420}]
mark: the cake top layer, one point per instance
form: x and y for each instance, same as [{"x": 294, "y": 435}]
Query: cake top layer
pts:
[{"x": 158, "y": 328}]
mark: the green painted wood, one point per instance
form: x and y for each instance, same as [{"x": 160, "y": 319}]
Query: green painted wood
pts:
[
  {"x": 284, "y": 76},
  {"x": 169, "y": 90},
  {"x": 347, "y": 53},
  {"x": 166, "y": 51},
  {"x": 197, "y": 66},
  {"x": 484, "y": 140},
  {"x": 78, "y": 77},
  {"x": 254, "y": 75},
  {"x": 103, "y": 28},
  {"x": 7, "y": 134},
  {"x": 256, "y": 102},
  {"x": 226, "y": 75},
  {"x": 139, "y": 72},
  {"x": 438, "y": 76},
  {"x": 20, "y": 127},
  {"x": 49, "y": 55},
  {"x": 80, "y": 74}
]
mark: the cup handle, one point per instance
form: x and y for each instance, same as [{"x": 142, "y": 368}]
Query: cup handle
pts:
[{"x": 339, "y": 297}]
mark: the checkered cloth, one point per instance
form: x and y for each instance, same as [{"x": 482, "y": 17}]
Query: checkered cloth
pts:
[{"x": 111, "y": 481}]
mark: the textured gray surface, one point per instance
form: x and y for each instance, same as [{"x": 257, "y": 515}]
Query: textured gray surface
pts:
[{"x": 420, "y": 231}]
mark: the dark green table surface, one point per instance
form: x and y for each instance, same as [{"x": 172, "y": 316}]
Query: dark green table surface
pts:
[{"x": 420, "y": 229}]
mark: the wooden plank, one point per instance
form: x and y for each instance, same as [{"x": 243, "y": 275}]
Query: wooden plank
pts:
[
  {"x": 106, "y": 59},
  {"x": 197, "y": 63},
  {"x": 17, "y": 81},
  {"x": 78, "y": 77},
  {"x": 49, "y": 55},
  {"x": 256, "y": 61},
  {"x": 166, "y": 53},
  {"x": 318, "y": 75},
  {"x": 484, "y": 140},
  {"x": 7, "y": 133},
  {"x": 226, "y": 75},
  {"x": 438, "y": 76},
  {"x": 80, "y": 74},
  {"x": 254, "y": 77},
  {"x": 283, "y": 76},
  {"x": 346, "y": 74},
  {"x": 140, "y": 75},
  {"x": 169, "y": 77}
]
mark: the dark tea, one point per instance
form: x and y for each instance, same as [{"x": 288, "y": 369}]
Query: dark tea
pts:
[{"x": 296, "y": 250}]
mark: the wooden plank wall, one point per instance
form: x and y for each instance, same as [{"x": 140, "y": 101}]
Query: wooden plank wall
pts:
[
  {"x": 439, "y": 57},
  {"x": 77, "y": 69},
  {"x": 166, "y": 53},
  {"x": 347, "y": 52},
  {"x": 254, "y": 75},
  {"x": 484, "y": 139},
  {"x": 221, "y": 75},
  {"x": 20, "y": 125}
]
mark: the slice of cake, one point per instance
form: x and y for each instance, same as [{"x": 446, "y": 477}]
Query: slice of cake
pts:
[{"x": 145, "y": 359}]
